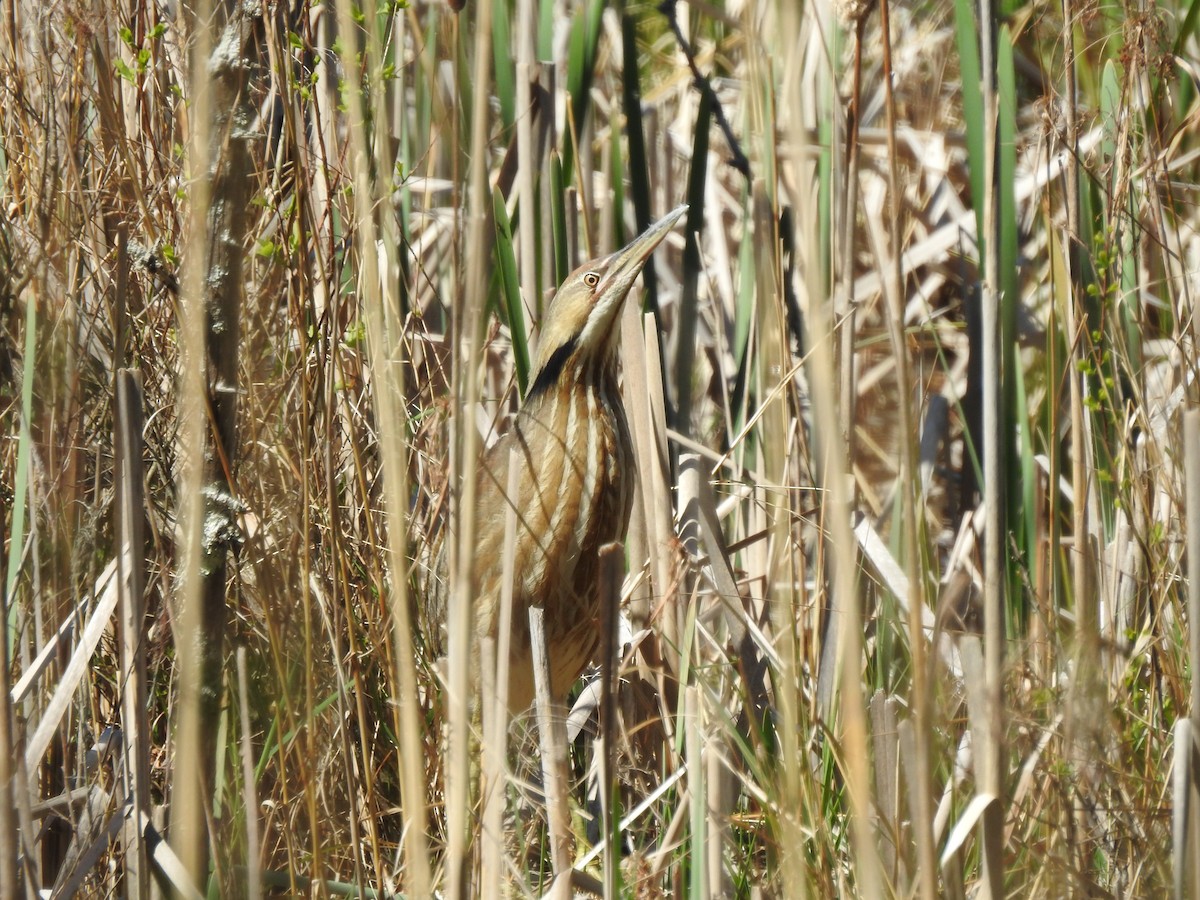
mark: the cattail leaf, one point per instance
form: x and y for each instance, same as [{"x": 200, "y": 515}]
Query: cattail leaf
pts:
[
  {"x": 502, "y": 61},
  {"x": 558, "y": 218},
  {"x": 510, "y": 287}
]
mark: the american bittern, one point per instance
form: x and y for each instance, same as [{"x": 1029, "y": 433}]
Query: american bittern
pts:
[{"x": 576, "y": 476}]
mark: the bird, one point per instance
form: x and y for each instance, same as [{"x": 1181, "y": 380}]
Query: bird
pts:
[{"x": 576, "y": 476}]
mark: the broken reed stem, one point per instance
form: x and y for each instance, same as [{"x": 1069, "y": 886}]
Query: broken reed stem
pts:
[
  {"x": 495, "y": 666},
  {"x": 612, "y": 556},
  {"x": 553, "y": 738}
]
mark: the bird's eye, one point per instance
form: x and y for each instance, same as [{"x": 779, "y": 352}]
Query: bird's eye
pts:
[{"x": 591, "y": 279}]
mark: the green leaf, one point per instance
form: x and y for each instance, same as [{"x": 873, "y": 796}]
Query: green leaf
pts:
[
  {"x": 355, "y": 334},
  {"x": 510, "y": 285},
  {"x": 545, "y": 37},
  {"x": 20, "y": 495},
  {"x": 966, "y": 31},
  {"x": 581, "y": 64},
  {"x": 1188, "y": 28},
  {"x": 502, "y": 61},
  {"x": 558, "y": 218}
]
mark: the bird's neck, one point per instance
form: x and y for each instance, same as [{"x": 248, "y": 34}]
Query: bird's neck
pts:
[{"x": 598, "y": 373}]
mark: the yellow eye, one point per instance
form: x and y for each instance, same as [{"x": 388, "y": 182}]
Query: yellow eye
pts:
[{"x": 591, "y": 279}]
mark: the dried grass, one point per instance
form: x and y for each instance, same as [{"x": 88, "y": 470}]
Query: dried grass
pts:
[{"x": 771, "y": 730}]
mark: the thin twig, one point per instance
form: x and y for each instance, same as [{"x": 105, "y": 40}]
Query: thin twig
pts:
[{"x": 738, "y": 160}]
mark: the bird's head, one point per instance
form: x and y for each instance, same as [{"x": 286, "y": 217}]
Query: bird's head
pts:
[{"x": 579, "y": 326}]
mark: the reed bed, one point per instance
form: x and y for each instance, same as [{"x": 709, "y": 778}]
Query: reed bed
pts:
[{"x": 905, "y": 606}]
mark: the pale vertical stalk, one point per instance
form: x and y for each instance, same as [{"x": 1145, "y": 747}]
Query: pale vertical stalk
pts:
[
  {"x": 10, "y": 754},
  {"x": 387, "y": 387},
  {"x": 604, "y": 196},
  {"x": 1081, "y": 568},
  {"x": 1186, "y": 846},
  {"x": 1043, "y": 662},
  {"x": 909, "y": 493},
  {"x": 131, "y": 108},
  {"x": 658, "y": 496},
  {"x": 218, "y": 236},
  {"x": 612, "y": 566},
  {"x": 831, "y": 464},
  {"x": 526, "y": 22},
  {"x": 491, "y": 788},
  {"x": 1083, "y": 583},
  {"x": 847, "y": 306},
  {"x": 717, "y": 812},
  {"x": 641, "y": 521},
  {"x": 697, "y": 795},
  {"x": 552, "y": 736},
  {"x": 581, "y": 137},
  {"x": 495, "y": 709},
  {"x": 772, "y": 352},
  {"x": 323, "y": 125},
  {"x": 249, "y": 792},
  {"x": 1191, "y": 451},
  {"x": 393, "y": 430},
  {"x": 991, "y": 763},
  {"x": 1173, "y": 253},
  {"x": 553, "y": 201},
  {"x": 187, "y": 798},
  {"x": 459, "y": 612},
  {"x": 774, "y": 427},
  {"x": 131, "y": 566}
]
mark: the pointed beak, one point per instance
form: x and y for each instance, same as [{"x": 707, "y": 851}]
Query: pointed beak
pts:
[{"x": 625, "y": 264}]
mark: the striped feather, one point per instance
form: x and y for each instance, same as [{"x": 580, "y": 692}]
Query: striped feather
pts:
[
  {"x": 576, "y": 476},
  {"x": 574, "y": 496}
]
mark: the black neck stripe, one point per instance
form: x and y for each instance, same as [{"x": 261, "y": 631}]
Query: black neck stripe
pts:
[{"x": 549, "y": 374}]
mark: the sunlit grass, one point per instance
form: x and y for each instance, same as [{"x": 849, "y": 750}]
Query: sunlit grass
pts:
[{"x": 814, "y": 417}]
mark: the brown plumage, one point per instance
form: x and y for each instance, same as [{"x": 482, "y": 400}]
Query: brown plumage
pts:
[{"x": 576, "y": 476}]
